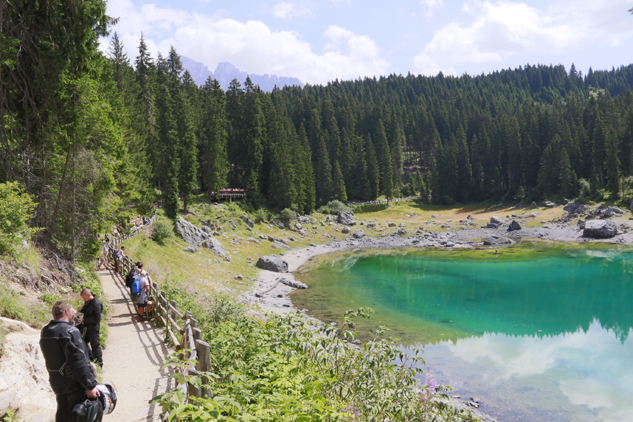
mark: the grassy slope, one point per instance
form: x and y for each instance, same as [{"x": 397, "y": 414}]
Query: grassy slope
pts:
[{"x": 208, "y": 273}]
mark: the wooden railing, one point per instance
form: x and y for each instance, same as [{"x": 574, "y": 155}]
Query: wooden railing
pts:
[{"x": 181, "y": 328}]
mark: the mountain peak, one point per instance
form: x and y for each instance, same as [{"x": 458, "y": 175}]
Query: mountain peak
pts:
[{"x": 225, "y": 72}]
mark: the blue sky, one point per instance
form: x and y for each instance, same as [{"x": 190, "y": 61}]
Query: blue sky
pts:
[{"x": 319, "y": 41}]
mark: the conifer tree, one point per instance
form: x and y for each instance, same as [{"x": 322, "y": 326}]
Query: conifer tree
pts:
[
  {"x": 373, "y": 171},
  {"x": 386, "y": 166},
  {"x": 214, "y": 136},
  {"x": 338, "y": 183},
  {"x": 324, "y": 183},
  {"x": 612, "y": 164}
]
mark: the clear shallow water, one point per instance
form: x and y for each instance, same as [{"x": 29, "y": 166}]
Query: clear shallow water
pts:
[{"x": 538, "y": 332}]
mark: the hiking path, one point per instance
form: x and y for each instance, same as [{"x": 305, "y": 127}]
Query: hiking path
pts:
[{"x": 133, "y": 357}]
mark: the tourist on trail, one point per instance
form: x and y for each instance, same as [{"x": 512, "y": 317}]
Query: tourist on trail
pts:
[
  {"x": 70, "y": 373},
  {"x": 103, "y": 258},
  {"x": 144, "y": 292},
  {"x": 92, "y": 310},
  {"x": 131, "y": 275},
  {"x": 119, "y": 259}
]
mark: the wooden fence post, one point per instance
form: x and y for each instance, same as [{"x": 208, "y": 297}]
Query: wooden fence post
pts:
[{"x": 204, "y": 363}]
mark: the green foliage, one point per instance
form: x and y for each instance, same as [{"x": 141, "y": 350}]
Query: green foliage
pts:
[
  {"x": 289, "y": 369},
  {"x": 288, "y": 215},
  {"x": 334, "y": 207},
  {"x": 161, "y": 231},
  {"x": 16, "y": 209}
]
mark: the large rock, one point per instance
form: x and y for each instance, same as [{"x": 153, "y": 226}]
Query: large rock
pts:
[
  {"x": 293, "y": 283},
  {"x": 572, "y": 207},
  {"x": 600, "y": 229},
  {"x": 198, "y": 237},
  {"x": 496, "y": 220},
  {"x": 514, "y": 225},
  {"x": 250, "y": 223},
  {"x": 359, "y": 234},
  {"x": 347, "y": 218},
  {"x": 497, "y": 240},
  {"x": 272, "y": 263},
  {"x": 23, "y": 369}
]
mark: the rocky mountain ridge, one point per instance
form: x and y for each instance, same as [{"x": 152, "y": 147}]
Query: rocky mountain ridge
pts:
[{"x": 225, "y": 72}]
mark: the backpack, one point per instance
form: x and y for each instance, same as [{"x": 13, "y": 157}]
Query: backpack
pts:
[
  {"x": 136, "y": 287},
  {"x": 129, "y": 278}
]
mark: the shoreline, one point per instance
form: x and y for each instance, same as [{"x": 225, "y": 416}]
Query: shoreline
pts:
[{"x": 272, "y": 296}]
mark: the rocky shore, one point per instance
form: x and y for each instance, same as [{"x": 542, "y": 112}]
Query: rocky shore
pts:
[{"x": 272, "y": 287}]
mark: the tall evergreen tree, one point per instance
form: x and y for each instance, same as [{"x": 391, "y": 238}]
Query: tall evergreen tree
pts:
[{"x": 215, "y": 162}]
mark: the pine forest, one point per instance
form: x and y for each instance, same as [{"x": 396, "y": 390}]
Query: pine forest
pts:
[{"x": 95, "y": 137}]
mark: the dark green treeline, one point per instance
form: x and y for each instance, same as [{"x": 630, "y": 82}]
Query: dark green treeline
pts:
[
  {"x": 515, "y": 134},
  {"x": 95, "y": 137}
]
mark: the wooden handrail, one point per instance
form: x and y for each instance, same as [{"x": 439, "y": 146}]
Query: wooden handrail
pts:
[{"x": 184, "y": 337}]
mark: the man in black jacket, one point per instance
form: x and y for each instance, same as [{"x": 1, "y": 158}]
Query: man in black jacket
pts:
[
  {"x": 66, "y": 355},
  {"x": 92, "y": 320}
]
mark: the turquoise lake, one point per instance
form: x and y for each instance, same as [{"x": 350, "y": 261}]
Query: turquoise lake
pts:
[{"x": 538, "y": 332}]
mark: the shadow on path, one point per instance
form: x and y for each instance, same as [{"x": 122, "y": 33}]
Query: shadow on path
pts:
[{"x": 132, "y": 360}]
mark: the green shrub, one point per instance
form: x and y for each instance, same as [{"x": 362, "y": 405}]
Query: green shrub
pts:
[
  {"x": 287, "y": 215},
  {"x": 16, "y": 208},
  {"x": 334, "y": 207},
  {"x": 162, "y": 230},
  {"x": 262, "y": 216},
  {"x": 289, "y": 369}
]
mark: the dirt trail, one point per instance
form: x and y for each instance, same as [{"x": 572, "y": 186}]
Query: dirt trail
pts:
[{"x": 133, "y": 358}]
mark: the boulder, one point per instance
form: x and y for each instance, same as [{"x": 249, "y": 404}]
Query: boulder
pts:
[
  {"x": 213, "y": 244},
  {"x": 496, "y": 220},
  {"x": 345, "y": 230},
  {"x": 514, "y": 225},
  {"x": 190, "y": 233},
  {"x": 391, "y": 224},
  {"x": 272, "y": 263},
  {"x": 572, "y": 207},
  {"x": 359, "y": 234},
  {"x": 250, "y": 223},
  {"x": 549, "y": 204},
  {"x": 600, "y": 229},
  {"x": 371, "y": 225},
  {"x": 293, "y": 283},
  {"x": 435, "y": 216},
  {"x": 497, "y": 240},
  {"x": 471, "y": 217},
  {"x": 347, "y": 218},
  {"x": 533, "y": 205},
  {"x": 298, "y": 226},
  {"x": 279, "y": 224},
  {"x": 233, "y": 225},
  {"x": 404, "y": 225},
  {"x": 192, "y": 248},
  {"x": 532, "y": 215},
  {"x": 198, "y": 237},
  {"x": 401, "y": 232}
]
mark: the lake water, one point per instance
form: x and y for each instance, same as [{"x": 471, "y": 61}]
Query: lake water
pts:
[{"x": 538, "y": 332}]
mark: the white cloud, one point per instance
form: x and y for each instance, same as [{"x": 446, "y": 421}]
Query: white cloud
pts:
[
  {"x": 288, "y": 11},
  {"x": 500, "y": 30},
  {"x": 251, "y": 46},
  {"x": 432, "y": 6}
]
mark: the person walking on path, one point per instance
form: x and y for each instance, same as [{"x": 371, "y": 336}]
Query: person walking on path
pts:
[
  {"x": 119, "y": 259},
  {"x": 70, "y": 373},
  {"x": 92, "y": 310},
  {"x": 103, "y": 258},
  {"x": 144, "y": 293}
]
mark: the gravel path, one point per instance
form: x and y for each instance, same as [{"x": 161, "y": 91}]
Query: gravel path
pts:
[{"x": 133, "y": 358}]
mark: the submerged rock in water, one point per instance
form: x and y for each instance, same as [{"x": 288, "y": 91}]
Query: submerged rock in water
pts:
[
  {"x": 293, "y": 283},
  {"x": 497, "y": 240},
  {"x": 600, "y": 229}
]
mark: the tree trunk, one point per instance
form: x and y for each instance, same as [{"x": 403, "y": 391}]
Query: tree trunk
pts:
[
  {"x": 72, "y": 222},
  {"x": 59, "y": 194}
]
